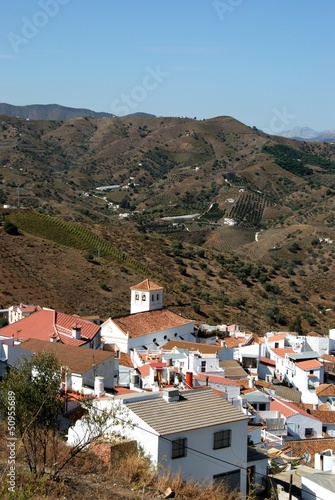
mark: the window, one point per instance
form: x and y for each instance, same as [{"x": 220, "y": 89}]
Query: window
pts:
[
  {"x": 137, "y": 296},
  {"x": 152, "y": 297},
  {"x": 179, "y": 448},
  {"x": 157, "y": 296},
  {"x": 203, "y": 366},
  {"x": 309, "y": 431},
  {"x": 222, "y": 439},
  {"x": 144, "y": 298}
]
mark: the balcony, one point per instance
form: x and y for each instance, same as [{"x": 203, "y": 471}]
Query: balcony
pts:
[{"x": 271, "y": 440}]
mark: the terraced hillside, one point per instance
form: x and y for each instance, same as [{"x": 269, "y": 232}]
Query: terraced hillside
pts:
[{"x": 166, "y": 189}]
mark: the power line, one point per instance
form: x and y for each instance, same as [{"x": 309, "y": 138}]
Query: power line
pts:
[{"x": 192, "y": 450}]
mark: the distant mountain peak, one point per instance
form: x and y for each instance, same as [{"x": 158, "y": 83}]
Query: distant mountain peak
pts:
[
  {"x": 300, "y": 132},
  {"x": 308, "y": 134}
]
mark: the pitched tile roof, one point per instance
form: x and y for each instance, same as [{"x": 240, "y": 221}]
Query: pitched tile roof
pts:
[
  {"x": 232, "y": 342},
  {"x": 328, "y": 357},
  {"x": 325, "y": 390},
  {"x": 26, "y": 308},
  {"x": 288, "y": 393},
  {"x": 215, "y": 379},
  {"x": 313, "y": 334},
  {"x": 145, "y": 369},
  {"x": 288, "y": 409},
  {"x": 267, "y": 361},
  {"x": 311, "y": 446},
  {"x": 125, "y": 360},
  {"x": 281, "y": 351},
  {"x": 195, "y": 410},
  {"x": 147, "y": 322},
  {"x": 326, "y": 417},
  {"x": 77, "y": 360},
  {"x": 192, "y": 346},
  {"x": 48, "y": 323},
  {"x": 146, "y": 285},
  {"x": 310, "y": 364},
  {"x": 232, "y": 368},
  {"x": 276, "y": 338}
]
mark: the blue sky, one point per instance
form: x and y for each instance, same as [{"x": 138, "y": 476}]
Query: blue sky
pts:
[{"x": 268, "y": 63}]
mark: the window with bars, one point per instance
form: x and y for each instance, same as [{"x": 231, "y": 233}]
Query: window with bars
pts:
[
  {"x": 222, "y": 439},
  {"x": 179, "y": 448}
]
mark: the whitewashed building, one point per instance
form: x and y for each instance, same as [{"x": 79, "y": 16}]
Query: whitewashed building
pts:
[
  {"x": 193, "y": 432},
  {"x": 149, "y": 326}
]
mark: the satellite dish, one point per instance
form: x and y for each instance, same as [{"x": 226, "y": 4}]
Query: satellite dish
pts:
[{"x": 306, "y": 457}]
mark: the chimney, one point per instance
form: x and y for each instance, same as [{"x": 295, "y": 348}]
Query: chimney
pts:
[
  {"x": 171, "y": 395},
  {"x": 76, "y": 332},
  {"x": 99, "y": 389},
  {"x": 189, "y": 380}
]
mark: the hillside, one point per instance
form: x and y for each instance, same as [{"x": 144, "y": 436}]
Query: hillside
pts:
[
  {"x": 276, "y": 264},
  {"x": 47, "y": 112}
]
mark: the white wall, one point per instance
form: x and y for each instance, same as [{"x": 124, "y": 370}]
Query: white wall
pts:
[
  {"x": 113, "y": 335},
  {"x": 212, "y": 363},
  {"x": 296, "y": 425},
  {"x": 201, "y": 462},
  {"x": 184, "y": 331},
  {"x": 300, "y": 381},
  {"x": 312, "y": 491},
  {"x": 104, "y": 369},
  {"x": 264, "y": 370}
]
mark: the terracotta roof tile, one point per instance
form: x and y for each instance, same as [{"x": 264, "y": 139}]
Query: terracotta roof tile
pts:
[
  {"x": 311, "y": 446},
  {"x": 215, "y": 379},
  {"x": 328, "y": 357},
  {"x": 147, "y": 322},
  {"x": 313, "y": 334},
  {"x": 326, "y": 417},
  {"x": 77, "y": 360},
  {"x": 146, "y": 285},
  {"x": 276, "y": 338},
  {"x": 125, "y": 360},
  {"x": 288, "y": 409},
  {"x": 281, "y": 351},
  {"x": 232, "y": 342},
  {"x": 192, "y": 346},
  {"x": 310, "y": 364},
  {"x": 267, "y": 361},
  {"x": 325, "y": 390},
  {"x": 48, "y": 323}
]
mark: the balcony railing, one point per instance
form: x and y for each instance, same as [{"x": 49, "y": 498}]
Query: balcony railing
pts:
[{"x": 271, "y": 439}]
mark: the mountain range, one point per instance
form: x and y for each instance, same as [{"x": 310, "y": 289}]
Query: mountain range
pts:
[
  {"x": 237, "y": 225},
  {"x": 308, "y": 134}
]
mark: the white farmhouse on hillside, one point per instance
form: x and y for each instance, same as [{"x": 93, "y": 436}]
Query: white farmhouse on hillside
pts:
[{"x": 195, "y": 432}]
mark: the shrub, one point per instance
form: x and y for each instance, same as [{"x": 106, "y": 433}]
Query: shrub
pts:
[{"x": 10, "y": 228}]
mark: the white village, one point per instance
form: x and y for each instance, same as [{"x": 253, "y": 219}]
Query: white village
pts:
[{"x": 213, "y": 402}]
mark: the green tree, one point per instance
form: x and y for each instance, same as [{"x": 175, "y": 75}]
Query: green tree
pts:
[
  {"x": 34, "y": 384},
  {"x": 295, "y": 325},
  {"x": 10, "y": 228}
]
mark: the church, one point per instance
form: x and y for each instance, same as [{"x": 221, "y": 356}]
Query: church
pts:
[{"x": 149, "y": 325}]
